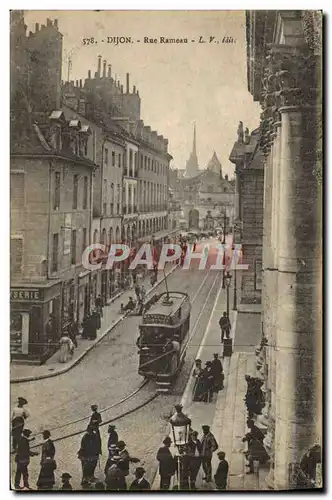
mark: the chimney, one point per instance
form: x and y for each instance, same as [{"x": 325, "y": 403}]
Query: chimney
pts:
[
  {"x": 37, "y": 27},
  {"x": 104, "y": 69},
  {"x": 127, "y": 91},
  {"x": 109, "y": 71},
  {"x": 55, "y": 23},
  {"x": 134, "y": 89},
  {"x": 80, "y": 84},
  {"x": 48, "y": 22},
  {"x": 121, "y": 88},
  {"x": 89, "y": 74},
  {"x": 76, "y": 83},
  {"x": 99, "y": 66}
]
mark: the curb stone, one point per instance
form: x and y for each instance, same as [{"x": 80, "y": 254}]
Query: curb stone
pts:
[{"x": 88, "y": 349}]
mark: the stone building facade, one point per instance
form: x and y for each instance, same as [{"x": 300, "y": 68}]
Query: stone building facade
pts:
[
  {"x": 248, "y": 227},
  {"x": 284, "y": 57}
]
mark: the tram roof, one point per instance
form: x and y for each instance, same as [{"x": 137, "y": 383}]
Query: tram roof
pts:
[{"x": 161, "y": 307}]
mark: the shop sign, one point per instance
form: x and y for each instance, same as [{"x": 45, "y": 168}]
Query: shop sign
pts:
[{"x": 25, "y": 294}]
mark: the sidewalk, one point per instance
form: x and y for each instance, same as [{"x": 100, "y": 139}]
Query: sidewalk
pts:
[
  {"x": 226, "y": 415},
  {"x": 111, "y": 317}
]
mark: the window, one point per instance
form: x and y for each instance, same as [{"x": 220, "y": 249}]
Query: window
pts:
[
  {"x": 17, "y": 190},
  {"x": 56, "y": 194},
  {"x": 113, "y": 158},
  {"x": 83, "y": 240},
  {"x": 73, "y": 247},
  {"x": 75, "y": 190},
  {"x": 130, "y": 159},
  {"x": 86, "y": 148},
  {"x": 16, "y": 255},
  {"x": 106, "y": 156},
  {"x": 142, "y": 161},
  {"x": 85, "y": 193},
  {"x": 55, "y": 250},
  {"x": 145, "y": 162},
  {"x": 119, "y": 160}
]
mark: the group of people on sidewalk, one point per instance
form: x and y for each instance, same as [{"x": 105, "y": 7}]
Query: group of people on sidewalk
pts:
[
  {"x": 196, "y": 454},
  {"x": 208, "y": 380}
]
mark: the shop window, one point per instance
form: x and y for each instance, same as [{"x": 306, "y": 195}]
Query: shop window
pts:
[{"x": 16, "y": 326}]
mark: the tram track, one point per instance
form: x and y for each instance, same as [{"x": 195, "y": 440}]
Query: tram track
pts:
[{"x": 137, "y": 390}]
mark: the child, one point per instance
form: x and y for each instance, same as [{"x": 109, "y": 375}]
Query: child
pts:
[{"x": 65, "y": 478}]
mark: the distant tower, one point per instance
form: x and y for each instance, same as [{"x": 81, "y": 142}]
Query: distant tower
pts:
[{"x": 192, "y": 168}]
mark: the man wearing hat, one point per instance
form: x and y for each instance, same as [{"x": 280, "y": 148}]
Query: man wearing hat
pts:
[
  {"x": 48, "y": 448},
  {"x": 167, "y": 464},
  {"x": 22, "y": 459},
  {"x": 124, "y": 458},
  {"x": 65, "y": 478},
  {"x": 19, "y": 415},
  {"x": 140, "y": 483},
  {"x": 115, "y": 479},
  {"x": 95, "y": 421},
  {"x": 88, "y": 454},
  {"x": 112, "y": 452},
  {"x": 217, "y": 372},
  {"x": 209, "y": 446},
  {"x": 220, "y": 477},
  {"x": 207, "y": 377},
  {"x": 112, "y": 436}
]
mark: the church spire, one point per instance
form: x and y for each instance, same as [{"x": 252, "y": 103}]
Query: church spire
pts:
[{"x": 194, "y": 142}]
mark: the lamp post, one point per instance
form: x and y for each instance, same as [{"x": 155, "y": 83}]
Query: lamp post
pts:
[
  {"x": 180, "y": 424},
  {"x": 228, "y": 279}
]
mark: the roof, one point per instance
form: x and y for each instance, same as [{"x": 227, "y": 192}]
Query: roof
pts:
[
  {"x": 214, "y": 164},
  {"x": 161, "y": 308}
]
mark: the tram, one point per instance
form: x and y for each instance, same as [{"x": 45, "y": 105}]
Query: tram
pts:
[{"x": 163, "y": 338}]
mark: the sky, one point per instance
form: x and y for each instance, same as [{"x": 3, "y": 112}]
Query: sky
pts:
[{"x": 179, "y": 84}]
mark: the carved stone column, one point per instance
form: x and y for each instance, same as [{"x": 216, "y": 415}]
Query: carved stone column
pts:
[{"x": 297, "y": 369}]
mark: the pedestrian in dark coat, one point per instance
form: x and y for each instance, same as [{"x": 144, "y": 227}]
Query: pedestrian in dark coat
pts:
[
  {"x": 19, "y": 416},
  {"x": 65, "y": 478},
  {"x": 220, "y": 477},
  {"x": 22, "y": 459},
  {"x": 115, "y": 479},
  {"x": 46, "y": 478},
  {"x": 95, "y": 421},
  {"x": 207, "y": 377},
  {"x": 195, "y": 458},
  {"x": 73, "y": 332},
  {"x": 198, "y": 391},
  {"x": 124, "y": 458},
  {"x": 225, "y": 326},
  {"x": 209, "y": 446},
  {"x": 167, "y": 465},
  {"x": 218, "y": 373},
  {"x": 94, "y": 322},
  {"x": 86, "y": 323},
  {"x": 88, "y": 454},
  {"x": 48, "y": 448},
  {"x": 140, "y": 483},
  {"x": 99, "y": 304},
  {"x": 112, "y": 436}
]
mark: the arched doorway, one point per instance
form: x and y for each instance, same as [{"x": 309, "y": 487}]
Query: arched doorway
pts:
[
  {"x": 193, "y": 219},
  {"x": 103, "y": 237},
  {"x": 110, "y": 236},
  {"x": 133, "y": 233}
]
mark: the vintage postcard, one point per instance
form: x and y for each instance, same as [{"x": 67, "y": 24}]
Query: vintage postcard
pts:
[{"x": 166, "y": 250}]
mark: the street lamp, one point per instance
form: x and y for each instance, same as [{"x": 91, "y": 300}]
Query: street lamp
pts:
[
  {"x": 228, "y": 279},
  {"x": 180, "y": 424}
]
